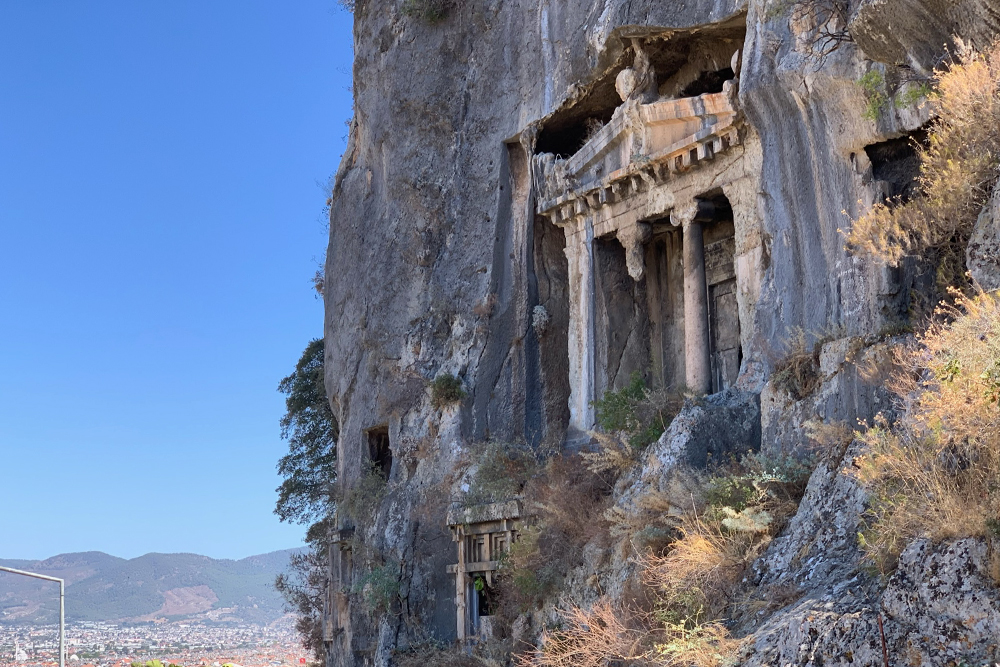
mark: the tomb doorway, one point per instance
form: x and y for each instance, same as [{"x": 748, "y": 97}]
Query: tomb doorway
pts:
[{"x": 726, "y": 353}]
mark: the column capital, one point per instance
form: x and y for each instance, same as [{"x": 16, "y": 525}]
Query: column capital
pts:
[
  {"x": 632, "y": 237},
  {"x": 691, "y": 211}
]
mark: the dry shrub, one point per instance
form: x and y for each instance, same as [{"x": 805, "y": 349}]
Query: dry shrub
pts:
[
  {"x": 829, "y": 440},
  {"x": 731, "y": 517},
  {"x": 797, "y": 373},
  {"x": 570, "y": 499},
  {"x": 716, "y": 524},
  {"x": 362, "y": 499},
  {"x": 935, "y": 471},
  {"x": 727, "y": 526},
  {"x": 697, "y": 645},
  {"x": 502, "y": 470},
  {"x": 568, "y": 502},
  {"x": 609, "y": 634},
  {"x": 654, "y": 526},
  {"x": 435, "y": 655},
  {"x": 591, "y": 638},
  {"x": 699, "y": 575},
  {"x": 958, "y": 169},
  {"x": 613, "y": 454}
]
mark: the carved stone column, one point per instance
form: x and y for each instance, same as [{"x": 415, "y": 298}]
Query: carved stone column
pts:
[
  {"x": 580, "y": 259},
  {"x": 697, "y": 353}
]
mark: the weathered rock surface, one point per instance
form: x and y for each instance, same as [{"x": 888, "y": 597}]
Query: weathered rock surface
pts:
[
  {"x": 438, "y": 264},
  {"x": 983, "y": 253},
  {"x": 723, "y": 425},
  {"x": 920, "y": 28}
]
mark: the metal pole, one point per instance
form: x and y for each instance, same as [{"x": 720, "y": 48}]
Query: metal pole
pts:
[
  {"x": 62, "y": 623},
  {"x": 62, "y": 606}
]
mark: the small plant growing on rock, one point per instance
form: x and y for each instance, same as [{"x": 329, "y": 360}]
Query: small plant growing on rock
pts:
[
  {"x": 873, "y": 86},
  {"x": 446, "y": 390},
  {"x": 379, "y": 587},
  {"x": 363, "y": 498},
  {"x": 431, "y": 11}
]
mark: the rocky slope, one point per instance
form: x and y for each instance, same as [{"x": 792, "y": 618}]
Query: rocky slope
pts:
[{"x": 438, "y": 263}]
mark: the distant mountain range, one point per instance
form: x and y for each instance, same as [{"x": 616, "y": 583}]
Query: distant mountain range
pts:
[{"x": 100, "y": 587}]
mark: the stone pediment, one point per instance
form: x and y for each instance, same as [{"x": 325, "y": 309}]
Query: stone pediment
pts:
[
  {"x": 641, "y": 144},
  {"x": 484, "y": 513}
]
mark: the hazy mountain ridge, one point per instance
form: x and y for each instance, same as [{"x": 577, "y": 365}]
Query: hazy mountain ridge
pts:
[{"x": 100, "y": 587}]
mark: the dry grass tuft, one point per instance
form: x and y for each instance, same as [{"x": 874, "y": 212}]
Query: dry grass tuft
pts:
[
  {"x": 934, "y": 473},
  {"x": 613, "y": 454},
  {"x": 958, "y": 169}
]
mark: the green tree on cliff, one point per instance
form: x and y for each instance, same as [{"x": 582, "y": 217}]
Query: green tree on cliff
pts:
[
  {"x": 309, "y": 472},
  {"x": 309, "y": 469}
]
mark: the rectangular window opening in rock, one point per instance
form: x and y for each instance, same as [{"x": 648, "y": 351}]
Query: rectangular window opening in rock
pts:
[
  {"x": 895, "y": 165},
  {"x": 379, "y": 452},
  {"x": 892, "y": 168}
]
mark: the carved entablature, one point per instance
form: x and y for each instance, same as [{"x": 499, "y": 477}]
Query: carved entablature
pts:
[{"x": 642, "y": 146}]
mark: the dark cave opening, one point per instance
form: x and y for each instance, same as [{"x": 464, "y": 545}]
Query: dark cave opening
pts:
[
  {"x": 708, "y": 82},
  {"x": 686, "y": 64},
  {"x": 896, "y": 163},
  {"x": 379, "y": 452}
]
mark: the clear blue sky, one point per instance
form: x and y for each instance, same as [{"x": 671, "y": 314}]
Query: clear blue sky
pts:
[{"x": 161, "y": 215}]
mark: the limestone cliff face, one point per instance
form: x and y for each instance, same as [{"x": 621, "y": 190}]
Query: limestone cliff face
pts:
[{"x": 442, "y": 259}]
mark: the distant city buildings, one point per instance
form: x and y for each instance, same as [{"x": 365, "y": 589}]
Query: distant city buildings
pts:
[{"x": 186, "y": 644}]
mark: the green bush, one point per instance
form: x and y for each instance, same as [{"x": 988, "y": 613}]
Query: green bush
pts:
[
  {"x": 642, "y": 414},
  {"x": 431, "y": 11},
  {"x": 873, "y": 85},
  {"x": 445, "y": 390},
  {"x": 502, "y": 469},
  {"x": 379, "y": 587}
]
